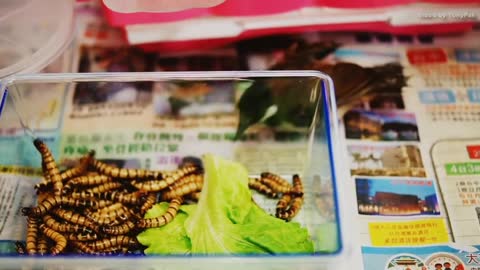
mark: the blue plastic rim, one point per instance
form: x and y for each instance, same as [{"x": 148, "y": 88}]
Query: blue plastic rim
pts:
[{"x": 3, "y": 101}]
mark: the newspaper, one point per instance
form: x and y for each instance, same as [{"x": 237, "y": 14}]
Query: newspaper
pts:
[
  {"x": 411, "y": 136},
  {"x": 411, "y": 150}
]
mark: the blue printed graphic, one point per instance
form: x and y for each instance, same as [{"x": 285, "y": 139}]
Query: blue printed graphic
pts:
[
  {"x": 19, "y": 150},
  {"x": 473, "y": 95},
  {"x": 441, "y": 96},
  {"x": 467, "y": 55}
]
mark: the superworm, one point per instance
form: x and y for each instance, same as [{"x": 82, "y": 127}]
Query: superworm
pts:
[
  {"x": 60, "y": 240},
  {"x": 86, "y": 181},
  {"x": 293, "y": 210},
  {"x": 51, "y": 201},
  {"x": 258, "y": 186},
  {"x": 122, "y": 197},
  {"x": 120, "y": 229},
  {"x": 53, "y": 224},
  {"x": 81, "y": 236},
  {"x": 194, "y": 196},
  {"x": 115, "y": 172},
  {"x": 149, "y": 202},
  {"x": 112, "y": 207},
  {"x": 273, "y": 183},
  {"x": 43, "y": 185},
  {"x": 104, "y": 187},
  {"x": 86, "y": 249},
  {"x": 276, "y": 178},
  {"x": 119, "y": 213},
  {"x": 20, "y": 247},
  {"x": 83, "y": 247},
  {"x": 75, "y": 218},
  {"x": 114, "y": 241},
  {"x": 187, "y": 179},
  {"x": 102, "y": 204},
  {"x": 165, "y": 218},
  {"x": 283, "y": 204},
  {"x": 50, "y": 166},
  {"x": 157, "y": 185},
  {"x": 80, "y": 169},
  {"x": 297, "y": 185},
  {"x": 32, "y": 235},
  {"x": 42, "y": 245},
  {"x": 183, "y": 190}
]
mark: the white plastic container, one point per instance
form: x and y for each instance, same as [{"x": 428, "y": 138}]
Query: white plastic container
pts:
[
  {"x": 317, "y": 139},
  {"x": 33, "y": 33}
]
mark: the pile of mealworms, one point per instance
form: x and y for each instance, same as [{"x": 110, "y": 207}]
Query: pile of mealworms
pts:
[{"x": 97, "y": 209}]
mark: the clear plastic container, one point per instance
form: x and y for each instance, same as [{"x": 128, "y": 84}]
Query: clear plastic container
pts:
[
  {"x": 33, "y": 33},
  {"x": 303, "y": 140}
]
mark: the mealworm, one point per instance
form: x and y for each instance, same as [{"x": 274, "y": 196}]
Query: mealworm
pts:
[
  {"x": 60, "y": 240},
  {"x": 120, "y": 229},
  {"x": 50, "y": 166},
  {"x": 20, "y": 247},
  {"x": 51, "y": 201},
  {"x": 258, "y": 186},
  {"x": 115, "y": 172},
  {"x": 104, "y": 187},
  {"x": 42, "y": 245},
  {"x": 149, "y": 202},
  {"x": 164, "y": 219},
  {"x": 114, "y": 241},
  {"x": 80, "y": 169},
  {"x": 32, "y": 235},
  {"x": 157, "y": 185},
  {"x": 86, "y": 181},
  {"x": 53, "y": 224},
  {"x": 75, "y": 218},
  {"x": 182, "y": 190},
  {"x": 283, "y": 203},
  {"x": 292, "y": 211}
]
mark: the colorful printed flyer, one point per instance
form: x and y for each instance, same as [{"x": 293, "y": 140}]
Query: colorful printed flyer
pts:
[{"x": 457, "y": 166}]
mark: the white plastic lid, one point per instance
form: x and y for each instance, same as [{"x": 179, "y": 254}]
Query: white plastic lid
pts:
[{"x": 33, "y": 33}]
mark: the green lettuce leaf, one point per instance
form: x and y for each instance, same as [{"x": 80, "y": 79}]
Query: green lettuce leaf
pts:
[
  {"x": 226, "y": 220},
  {"x": 170, "y": 239}
]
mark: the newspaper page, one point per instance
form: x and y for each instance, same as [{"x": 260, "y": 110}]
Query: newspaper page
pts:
[
  {"x": 411, "y": 146},
  {"x": 442, "y": 94}
]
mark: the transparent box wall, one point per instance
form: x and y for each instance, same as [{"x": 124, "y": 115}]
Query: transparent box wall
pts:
[{"x": 282, "y": 122}]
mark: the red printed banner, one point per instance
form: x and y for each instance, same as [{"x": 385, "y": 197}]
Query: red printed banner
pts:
[
  {"x": 426, "y": 56},
  {"x": 473, "y": 151}
]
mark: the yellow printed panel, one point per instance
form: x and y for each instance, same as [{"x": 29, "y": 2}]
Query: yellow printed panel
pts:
[
  {"x": 28, "y": 171},
  {"x": 410, "y": 233}
]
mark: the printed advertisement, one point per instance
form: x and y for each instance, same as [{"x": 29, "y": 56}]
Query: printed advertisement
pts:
[{"x": 444, "y": 257}]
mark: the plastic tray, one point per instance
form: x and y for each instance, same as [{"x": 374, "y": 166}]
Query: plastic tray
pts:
[
  {"x": 33, "y": 33},
  {"x": 313, "y": 143}
]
